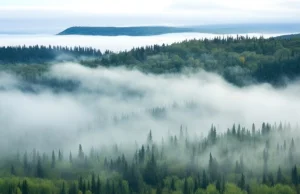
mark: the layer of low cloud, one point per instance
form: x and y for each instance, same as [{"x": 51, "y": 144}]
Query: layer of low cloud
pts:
[
  {"x": 115, "y": 106},
  {"x": 116, "y": 44}
]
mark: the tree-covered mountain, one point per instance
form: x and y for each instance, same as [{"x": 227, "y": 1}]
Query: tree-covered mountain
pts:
[
  {"x": 158, "y": 30},
  {"x": 240, "y": 60}
]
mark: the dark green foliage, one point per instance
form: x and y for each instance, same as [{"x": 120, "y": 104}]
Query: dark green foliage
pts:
[
  {"x": 295, "y": 177},
  {"x": 159, "y": 190},
  {"x": 25, "y": 188},
  {"x": 242, "y": 183},
  {"x": 93, "y": 186},
  {"x": 218, "y": 184},
  {"x": 12, "y": 170},
  {"x": 98, "y": 186},
  {"x": 42, "y": 54},
  {"x": 39, "y": 169},
  {"x": 280, "y": 178},
  {"x": 185, "y": 187},
  {"x": 63, "y": 189},
  {"x": 223, "y": 166},
  {"x": 173, "y": 184},
  {"x": 73, "y": 189},
  {"x": 70, "y": 158},
  {"x": 53, "y": 161},
  {"x": 60, "y": 156},
  {"x": 240, "y": 60},
  {"x": 80, "y": 153},
  {"x": 151, "y": 173},
  {"x": 204, "y": 180}
]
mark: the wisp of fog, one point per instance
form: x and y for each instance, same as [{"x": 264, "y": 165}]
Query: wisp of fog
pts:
[{"x": 117, "y": 105}]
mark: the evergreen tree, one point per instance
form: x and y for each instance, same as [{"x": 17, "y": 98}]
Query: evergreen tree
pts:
[
  {"x": 264, "y": 179},
  {"x": 83, "y": 187},
  {"x": 60, "y": 156},
  {"x": 73, "y": 189},
  {"x": 150, "y": 173},
  {"x": 218, "y": 184},
  {"x": 25, "y": 163},
  {"x": 39, "y": 168},
  {"x": 107, "y": 187},
  {"x": 98, "y": 187},
  {"x": 295, "y": 178},
  {"x": 265, "y": 157},
  {"x": 149, "y": 138},
  {"x": 253, "y": 129},
  {"x": 181, "y": 136},
  {"x": 204, "y": 180},
  {"x": 292, "y": 147},
  {"x": 159, "y": 190},
  {"x": 113, "y": 191},
  {"x": 25, "y": 188},
  {"x": 173, "y": 184},
  {"x": 80, "y": 153},
  {"x": 279, "y": 176},
  {"x": 12, "y": 170},
  {"x": 70, "y": 158},
  {"x": 233, "y": 130},
  {"x": 80, "y": 183},
  {"x": 93, "y": 185},
  {"x": 212, "y": 167},
  {"x": 271, "y": 179},
  {"x": 185, "y": 187},
  {"x": 53, "y": 161},
  {"x": 63, "y": 189},
  {"x": 242, "y": 182}
]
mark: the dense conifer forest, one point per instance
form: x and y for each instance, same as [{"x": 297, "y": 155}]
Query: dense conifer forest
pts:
[
  {"x": 258, "y": 160},
  {"x": 240, "y": 60}
]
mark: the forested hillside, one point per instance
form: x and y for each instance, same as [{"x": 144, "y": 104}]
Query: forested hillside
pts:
[
  {"x": 240, "y": 60},
  {"x": 256, "y": 161},
  {"x": 148, "y": 131}
]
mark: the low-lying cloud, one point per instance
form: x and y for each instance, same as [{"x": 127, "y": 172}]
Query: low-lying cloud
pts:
[
  {"x": 121, "y": 106},
  {"x": 112, "y": 43}
]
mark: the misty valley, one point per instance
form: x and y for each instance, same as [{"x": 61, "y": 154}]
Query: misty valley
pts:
[{"x": 199, "y": 116}]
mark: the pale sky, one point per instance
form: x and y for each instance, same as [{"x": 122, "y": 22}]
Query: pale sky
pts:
[{"x": 62, "y": 13}]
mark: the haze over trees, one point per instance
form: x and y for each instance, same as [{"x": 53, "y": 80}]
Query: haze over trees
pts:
[{"x": 262, "y": 159}]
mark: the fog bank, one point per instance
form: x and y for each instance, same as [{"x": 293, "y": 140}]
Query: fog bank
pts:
[
  {"x": 121, "y": 106},
  {"x": 113, "y": 43}
]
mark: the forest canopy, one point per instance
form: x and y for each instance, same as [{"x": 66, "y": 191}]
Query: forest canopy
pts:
[
  {"x": 240, "y": 60},
  {"x": 238, "y": 161}
]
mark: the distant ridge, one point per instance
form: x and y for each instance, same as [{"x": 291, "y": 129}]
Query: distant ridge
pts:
[
  {"x": 125, "y": 31},
  {"x": 159, "y": 30}
]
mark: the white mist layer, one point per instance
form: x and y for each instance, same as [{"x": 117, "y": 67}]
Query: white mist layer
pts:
[
  {"x": 112, "y": 43},
  {"x": 87, "y": 116}
]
